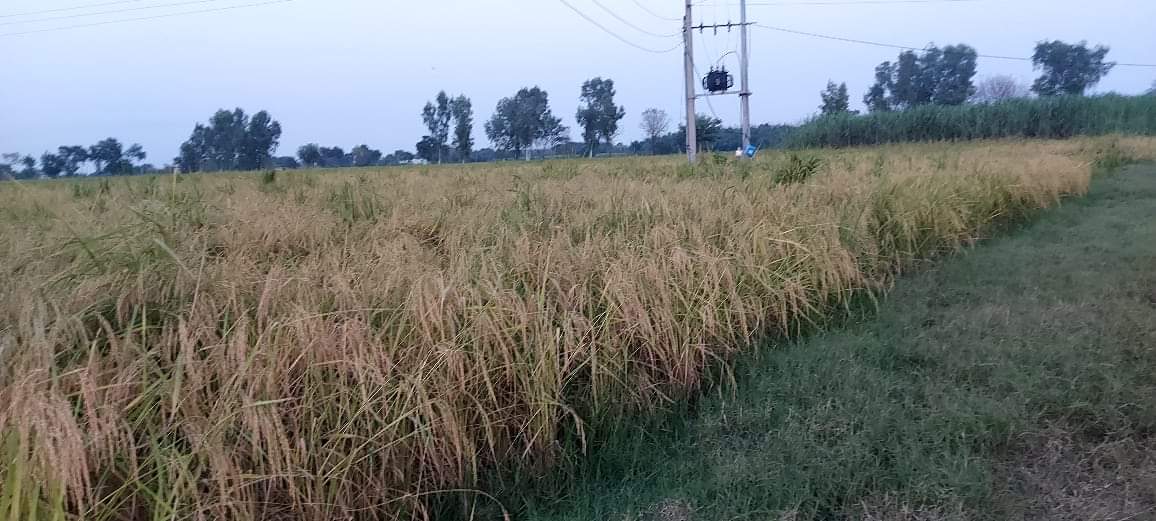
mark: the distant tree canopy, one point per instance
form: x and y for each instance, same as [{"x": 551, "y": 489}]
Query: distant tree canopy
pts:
[
  {"x": 999, "y": 88},
  {"x": 310, "y": 155},
  {"x": 16, "y": 166},
  {"x": 428, "y": 149},
  {"x": 398, "y": 157},
  {"x": 437, "y": 120},
  {"x": 598, "y": 115},
  {"x": 231, "y": 141},
  {"x": 288, "y": 162},
  {"x": 835, "y": 98},
  {"x": 111, "y": 158},
  {"x": 333, "y": 157},
  {"x": 462, "y": 111},
  {"x": 313, "y": 155},
  {"x": 655, "y": 122},
  {"x": 524, "y": 120},
  {"x": 708, "y": 130},
  {"x": 74, "y": 157},
  {"x": 51, "y": 165},
  {"x": 934, "y": 77},
  {"x": 1069, "y": 68},
  {"x": 362, "y": 155}
]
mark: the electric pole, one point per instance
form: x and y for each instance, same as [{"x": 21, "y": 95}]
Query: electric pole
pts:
[
  {"x": 688, "y": 62},
  {"x": 745, "y": 95}
]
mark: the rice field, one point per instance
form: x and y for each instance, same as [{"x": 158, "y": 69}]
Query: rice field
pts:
[{"x": 381, "y": 343}]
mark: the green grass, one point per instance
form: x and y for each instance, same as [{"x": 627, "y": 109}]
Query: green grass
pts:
[
  {"x": 1047, "y": 118},
  {"x": 939, "y": 405}
]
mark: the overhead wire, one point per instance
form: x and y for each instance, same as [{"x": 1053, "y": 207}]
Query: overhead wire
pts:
[
  {"x": 654, "y": 14},
  {"x": 73, "y": 8},
  {"x": 910, "y": 48},
  {"x": 103, "y": 13},
  {"x": 144, "y": 18},
  {"x": 631, "y": 25},
  {"x": 616, "y": 35}
]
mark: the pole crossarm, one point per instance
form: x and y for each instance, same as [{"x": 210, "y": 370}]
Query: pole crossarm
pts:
[{"x": 727, "y": 25}]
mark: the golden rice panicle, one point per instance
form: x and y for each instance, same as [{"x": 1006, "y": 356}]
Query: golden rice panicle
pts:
[{"x": 371, "y": 344}]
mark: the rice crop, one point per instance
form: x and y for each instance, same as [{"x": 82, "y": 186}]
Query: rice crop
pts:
[{"x": 378, "y": 343}]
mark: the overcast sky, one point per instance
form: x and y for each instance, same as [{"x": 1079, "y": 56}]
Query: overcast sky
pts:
[{"x": 346, "y": 72}]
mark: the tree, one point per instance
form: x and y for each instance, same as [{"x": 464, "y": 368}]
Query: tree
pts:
[
  {"x": 427, "y": 149},
  {"x": 310, "y": 155},
  {"x": 707, "y": 132},
  {"x": 935, "y": 76},
  {"x": 1152, "y": 91},
  {"x": 598, "y": 115},
  {"x": 6, "y": 171},
  {"x": 29, "y": 168},
  {"x": 950, "y": 78},
  {"x": 51, "y": 165},
  {"x": 286, "y": 162},
  {"x": 835, "y": 99},
  {"x": 231, "y": 141},
  {"x": 7, "y": 165},
  {"x": 437, "y": 120},
  {"x": 1069, "y": 69},
  {"x": 654, "y": 124},
  {"x": 365, "y": 156},
  {"x": 876, "y": 98},
  {"x": 259, "y": 142},
  {"x": 111, "y": 158},
  {"x": 999, "y": 88},
  {"x": 907, "y": 88},
  {"x": 73, "y": 157},
  {"x": 462, "y": 111},
  {"x": 523, "y": 120},
  {"x": 553, "y": 133},
  {"x": 334, "y": 157},
  {"x": 223, "y": 139},
  {"x": 398, "y": 157}
]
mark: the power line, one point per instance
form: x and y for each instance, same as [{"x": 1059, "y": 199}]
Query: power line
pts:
[
  {"x": 654, "y": 14},
  {"x": 73, "y": 8},
  {"x": 143, "y": 18},
  {"x": 102, "y": 13},
  {"x": 615, "y": 35},
  {"x": 909, "y": 48},
  {"x": 631, "y": 25}
]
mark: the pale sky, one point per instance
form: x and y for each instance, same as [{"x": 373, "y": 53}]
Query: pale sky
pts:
[{"x": 346, "y": 72}]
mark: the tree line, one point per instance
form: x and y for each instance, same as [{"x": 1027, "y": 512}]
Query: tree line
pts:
[
  {"x": 107, "y": 157},
  {"x": 524, "y": 122},
  {"x": 931, "y": 96},
  {"x": 945, "y": 77}
]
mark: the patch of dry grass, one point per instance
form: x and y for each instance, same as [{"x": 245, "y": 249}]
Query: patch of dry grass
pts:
[{"x": 363, "y": 345}]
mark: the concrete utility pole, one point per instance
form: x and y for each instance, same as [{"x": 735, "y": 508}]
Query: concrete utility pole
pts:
[
  {"x": 688, "y": 62},
  {"x": 745, "y": 94}
]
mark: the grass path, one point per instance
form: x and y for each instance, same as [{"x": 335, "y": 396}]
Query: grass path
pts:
[{"x": 1015, "y": 381}]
